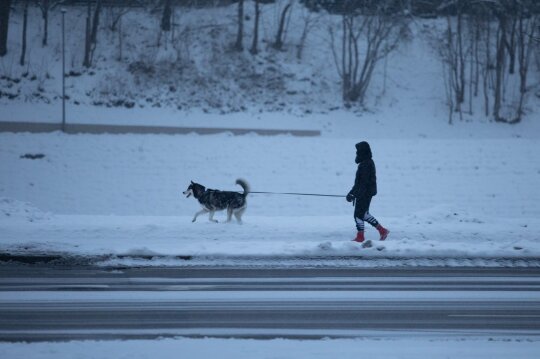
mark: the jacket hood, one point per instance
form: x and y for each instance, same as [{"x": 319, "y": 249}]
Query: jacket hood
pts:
[{"x": 363, "y": 151}]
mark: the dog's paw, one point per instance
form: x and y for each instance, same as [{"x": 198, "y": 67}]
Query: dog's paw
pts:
[{"x": 193, "y": 220}]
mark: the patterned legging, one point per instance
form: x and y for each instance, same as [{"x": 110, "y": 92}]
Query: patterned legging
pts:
[
  {"x": 368, "y": 218},
  {"x": 361, "y": 213}
]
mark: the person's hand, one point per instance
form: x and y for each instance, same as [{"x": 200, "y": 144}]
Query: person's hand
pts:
[{"x": 350, "y": 197}]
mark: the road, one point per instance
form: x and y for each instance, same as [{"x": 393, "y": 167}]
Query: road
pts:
[{"x": 55, "y": 303}]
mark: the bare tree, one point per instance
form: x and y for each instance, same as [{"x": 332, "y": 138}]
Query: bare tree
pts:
[
  {"x": 5, "y": 8},
  {"x": 448, "y": 90},
  {"x": 25, "y": 26},
  {"x": 500, "y": 58},
  {"x": 92, "y": 25},
  {"x": 116, "y": 13},
  {"x": 309, "y": 20},
  {"x": 166, "y": 21},
  {"x": 510, "y": 43},
  {"x": 527, "y": 29},
  {"x": 381, "y": 33},
  {"x": 239, "y": 45},
  {"x": 278, "y": 43},
  {"x": 46, "y": 6},
  {"x": 487, "y": 65},
  {"x": 455, "y": 54},
  {"x": 254, "y": 46},
  {"x": 166, "y": 16},
  {"x": 500, "y": 43}
]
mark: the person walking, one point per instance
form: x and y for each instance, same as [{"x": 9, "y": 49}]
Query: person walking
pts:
[{"x": 365, "y": 187}]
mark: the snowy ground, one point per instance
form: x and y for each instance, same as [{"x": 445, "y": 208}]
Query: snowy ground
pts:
[
  {"x": 451, "y": 193},
  {"x": 409, "y": 347},
  {"x": 452, "y": 198},
  {"x": 456, "y": 195}
]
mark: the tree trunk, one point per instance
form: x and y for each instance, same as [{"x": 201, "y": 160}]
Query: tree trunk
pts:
[
  {"x": 448, "y": 90},
  {"x": 499, "y": 69},
  {"x": 461, "y": 64},
  {"x": 45, "y": 23},
  {"x": 278, "y": 44},
  {"x": 95, "y": 24},
  {"x": 471, "y": 83},
  {"x": 511, "y": 47},
  {"x": 5, "y": 7},
  {"x": 166, "y": 18},
  {"x": 303, "y": 38},
  {"x": 254, "y": 49},
  {"x": 527, "y": 29},
  {"x": 487, "y": 69},
  {"x": 239, "y": 45},
  {"x": 25, "y": 26},
  {"x": 345, "y": 68},
  {"x": 477, "y": 56},
  {"x": 356, "y": 66},
  {"x": 86, "y": 61},
  {"x": 120, "y": 42},
  {"x": 95, "y": 27}
]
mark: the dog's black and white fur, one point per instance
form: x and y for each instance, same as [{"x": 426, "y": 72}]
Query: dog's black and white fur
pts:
[{"x": 213, "y": 200}]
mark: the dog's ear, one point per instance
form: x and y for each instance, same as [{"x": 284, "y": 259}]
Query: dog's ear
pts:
[{"x": 192, "y": 182}]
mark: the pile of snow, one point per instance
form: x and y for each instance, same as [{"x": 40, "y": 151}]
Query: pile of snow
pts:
[{"x": 17, "y": 211}]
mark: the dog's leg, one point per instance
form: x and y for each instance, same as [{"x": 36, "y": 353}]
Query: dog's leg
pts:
[
  {"x": 229, "y": 214},
  {"x": 211, "y": 217},
  {"x": 238, "y": 214},
  {"x": 199, "y": 213}
]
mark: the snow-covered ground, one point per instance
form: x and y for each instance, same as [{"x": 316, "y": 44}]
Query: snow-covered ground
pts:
[
  {"x": 408, "y": 347},
  {"x": 465, "y": 194},
  {"x": 446, "y": 192},
  {"x": 121, "y": 194}
]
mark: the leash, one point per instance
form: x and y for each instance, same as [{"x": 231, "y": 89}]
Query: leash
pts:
[{"x": 300, "y": 194}]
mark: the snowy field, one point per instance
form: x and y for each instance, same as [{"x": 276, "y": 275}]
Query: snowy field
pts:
[
  {"x": 453, "y": 197},
  {"x": 409, "y": 348}
]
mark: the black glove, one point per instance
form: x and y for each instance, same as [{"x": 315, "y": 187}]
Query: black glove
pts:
[{"x": 350, "y": 197}]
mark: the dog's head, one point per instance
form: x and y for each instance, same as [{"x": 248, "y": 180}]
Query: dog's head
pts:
[{"x": 194, "y": 189}]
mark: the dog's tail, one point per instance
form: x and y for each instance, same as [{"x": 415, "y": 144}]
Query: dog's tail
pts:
[{"x": 243, "y": 183}]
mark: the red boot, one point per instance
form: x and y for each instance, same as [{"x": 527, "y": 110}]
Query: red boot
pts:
[
  {"x": 359, "y": 237},
  {"x": 383, "y": 232}
]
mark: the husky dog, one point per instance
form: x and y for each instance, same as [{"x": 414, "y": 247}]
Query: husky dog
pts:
[{"x": 213, "y": 200}]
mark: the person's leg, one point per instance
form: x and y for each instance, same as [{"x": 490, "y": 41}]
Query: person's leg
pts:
[
  {"x": 370, "y": 219},
  {"x": 360, "y": 209},
  {"x": 383, "y": 232},
  {"x": 359, "y": 224}
]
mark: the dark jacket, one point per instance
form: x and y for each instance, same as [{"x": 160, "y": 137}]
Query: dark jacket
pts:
[{"x": 365, "y": 183}]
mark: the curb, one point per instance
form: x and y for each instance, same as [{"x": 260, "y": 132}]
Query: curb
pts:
[{"x": 360, "y": 261}]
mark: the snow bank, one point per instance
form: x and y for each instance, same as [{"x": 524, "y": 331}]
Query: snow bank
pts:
[
  {"x": 121, "y": 195},
  {"x": 413, "y": 348}
]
